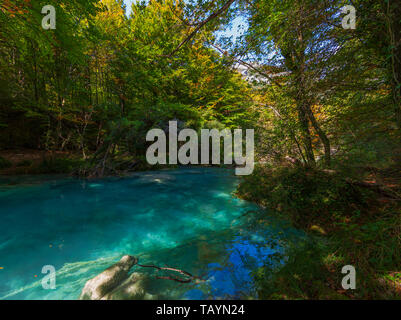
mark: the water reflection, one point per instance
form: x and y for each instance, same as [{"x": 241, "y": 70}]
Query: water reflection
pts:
[{"x": 225, "y": 261}]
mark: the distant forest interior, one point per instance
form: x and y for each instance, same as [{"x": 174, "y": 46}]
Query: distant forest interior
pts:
[{"x": 323, "y": 96}]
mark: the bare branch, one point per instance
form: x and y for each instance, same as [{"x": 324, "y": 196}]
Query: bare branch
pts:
[
  {"x": 201, "y": 24},
  {"x": 185, "y": 273}
]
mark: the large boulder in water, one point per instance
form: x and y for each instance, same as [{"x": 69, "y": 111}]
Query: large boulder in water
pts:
[
  {"x": 132, "y": 288},
  {"x": 97, "y": 287}
]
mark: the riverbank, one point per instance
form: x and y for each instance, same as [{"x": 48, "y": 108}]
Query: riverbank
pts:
[
  {"x": 351, "y": 221},
  {"x": 31, "y": 161}
]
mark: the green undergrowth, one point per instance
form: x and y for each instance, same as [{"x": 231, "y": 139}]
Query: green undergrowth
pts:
[{"x": 348, "y": 225}]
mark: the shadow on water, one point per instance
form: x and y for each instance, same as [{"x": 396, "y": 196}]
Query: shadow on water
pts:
[{"x": 224, "y": 261}]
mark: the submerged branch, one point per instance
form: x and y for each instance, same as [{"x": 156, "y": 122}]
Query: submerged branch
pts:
[{"x": 185, "y": 273}]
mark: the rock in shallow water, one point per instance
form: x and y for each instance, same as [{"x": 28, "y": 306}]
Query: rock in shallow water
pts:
[
  {"x": 114, "y": 283},
  {"x": 132, "y": 288}
]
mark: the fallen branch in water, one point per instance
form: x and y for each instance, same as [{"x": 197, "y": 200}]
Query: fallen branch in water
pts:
[
  {"x": 175, "y": 279},
  {"x": 185, "y": 273}
]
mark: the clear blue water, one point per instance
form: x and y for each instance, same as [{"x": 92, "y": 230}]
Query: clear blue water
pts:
[{"x": 184, "y": 218}]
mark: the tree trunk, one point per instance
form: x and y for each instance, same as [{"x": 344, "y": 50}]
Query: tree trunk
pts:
[
  {"x": 397, "y": 62},
  {"x": 322, "y": 136},
  {"x": 306, "y": 138},
  {"x": 298, "y": 65},
  {"x": 393, "y": 17}
]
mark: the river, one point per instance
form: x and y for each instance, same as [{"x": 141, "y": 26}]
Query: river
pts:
[{"x": 185, "y": 218}]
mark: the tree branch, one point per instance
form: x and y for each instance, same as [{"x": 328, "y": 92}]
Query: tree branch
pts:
[{"x": 200, "y": 25}]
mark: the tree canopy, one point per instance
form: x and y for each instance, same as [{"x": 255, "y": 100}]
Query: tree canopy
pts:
[{"x": 102, "y": 79}]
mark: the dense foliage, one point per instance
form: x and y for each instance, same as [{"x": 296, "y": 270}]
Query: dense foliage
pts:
[
  {"x": 325, "y": 103},
  {"x": 99, "y": 81}
]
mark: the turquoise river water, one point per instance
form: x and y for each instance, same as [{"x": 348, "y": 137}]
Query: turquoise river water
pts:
[{"x": 184, "y": 218}]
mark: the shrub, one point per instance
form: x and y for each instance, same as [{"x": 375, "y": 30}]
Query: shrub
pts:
[
  {"x": 361, "y": 228},
  {"x": 307, "y": 196}
]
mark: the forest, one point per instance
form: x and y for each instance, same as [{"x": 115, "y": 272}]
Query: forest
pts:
[{"x": 322, "y": 95}]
